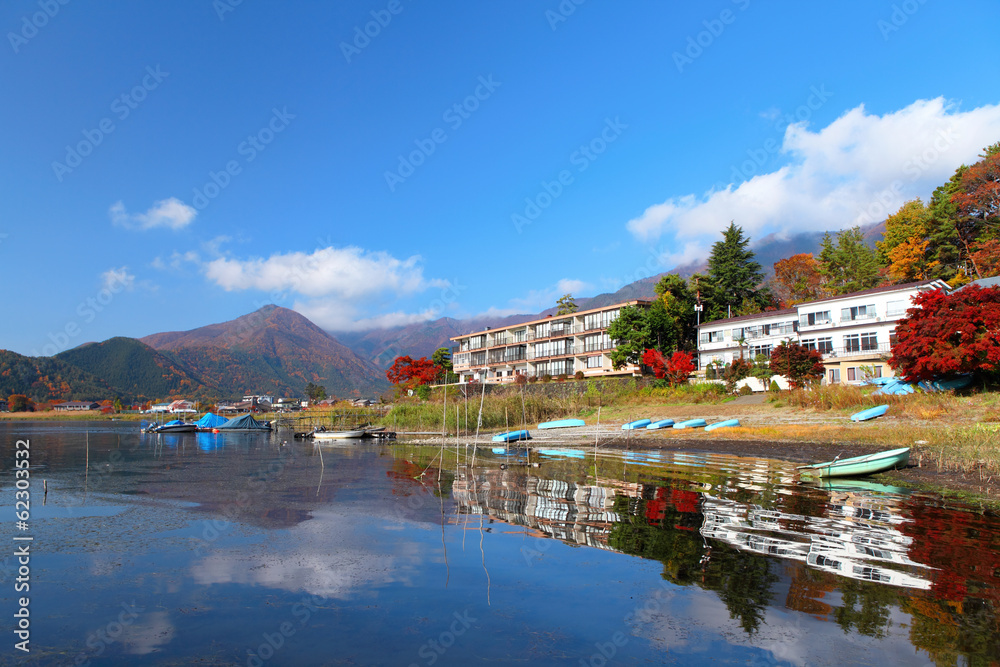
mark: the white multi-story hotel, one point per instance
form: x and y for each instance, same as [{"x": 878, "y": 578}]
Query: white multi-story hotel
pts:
[
  {"x": 855, "y": 332},
  {"x": 555, "y": 345}
]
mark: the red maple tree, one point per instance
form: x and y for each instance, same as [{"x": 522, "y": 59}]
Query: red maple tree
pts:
[
  {"x": 796, "y": 363},
  {"x": 408, "y": 373},
  {"x": 674, "y": 370},
  {"x": 945, "y": 335}
]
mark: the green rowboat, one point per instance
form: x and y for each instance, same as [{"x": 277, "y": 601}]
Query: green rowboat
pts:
[{"x": 858, "y": 466}]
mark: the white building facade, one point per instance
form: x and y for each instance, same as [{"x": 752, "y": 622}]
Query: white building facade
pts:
[
  {"x": 558, "y": 345},
  {"x": 855, "y": 332}
]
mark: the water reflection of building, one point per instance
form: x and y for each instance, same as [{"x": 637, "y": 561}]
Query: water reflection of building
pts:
[
  {"x": 859, "y": 540},
  {"x": 563, "y": 510}
]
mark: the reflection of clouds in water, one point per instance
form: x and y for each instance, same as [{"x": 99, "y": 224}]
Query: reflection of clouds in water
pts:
[
  {"x": 325, "y": 556},
  {"x": 148, "y": 633},
  {"x": 695, "y": 617}
]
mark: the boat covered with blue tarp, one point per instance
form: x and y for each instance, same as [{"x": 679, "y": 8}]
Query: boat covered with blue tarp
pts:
[
  {"x": 245, "y": 423},
  {"x": 210, "y": 421}
]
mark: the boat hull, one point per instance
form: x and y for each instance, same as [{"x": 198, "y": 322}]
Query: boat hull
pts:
[
  {"x": 338, "y": 435},
  {"x": 512, "y": 436},
  {"x": 870, "y": 413},
  {"x": 562, "y": 423},
  {"x": 859, "y": 466},
  {"x": 662, "y": 423},
  {"x": 729, "y": 423},
  {"x": 691, "y": 423},
  {"x": 640, "y": 423}
]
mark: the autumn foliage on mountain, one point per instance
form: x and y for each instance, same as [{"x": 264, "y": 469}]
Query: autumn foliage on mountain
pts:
[{"x": 945, "y": 335}]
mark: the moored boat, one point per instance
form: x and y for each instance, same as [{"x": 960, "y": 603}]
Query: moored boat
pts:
[
  {"x": 338, "y": 435},
  {"x": 174, "y": 426},
  {"x": 661, "y": 423},
  {"x": 639, "y": 423},
  {"x": 691, "y": 423},
  {"x": 856, "y": 466}
]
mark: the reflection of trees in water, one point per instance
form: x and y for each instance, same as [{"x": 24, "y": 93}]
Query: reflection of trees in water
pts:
[
  {"x": 743, "y": 581},
  {"x": 952, "y": 634},
  {"x": 866, "y": 607}
]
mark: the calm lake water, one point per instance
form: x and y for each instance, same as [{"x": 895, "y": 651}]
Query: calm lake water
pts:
[{"x": 233, "y": 549}]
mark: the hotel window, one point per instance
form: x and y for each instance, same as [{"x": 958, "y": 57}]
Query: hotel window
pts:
[
  {"x": 895, "y": 308},
  {"x": 599, "y": 320},
  {"x": 812, "y": 319},
  {"x": 520, "y": 335},
  {"x": 825, "y": 345},
  {"x": 857, "y": 313},
  {"x": 594, "y": 362},
  {"x": 852, "y": 374},
  {"x": 478, "y": 358},
  {"x": 808, "y": 343},
  {"x": 597, "y": 342},
  {"x": 852, "y": 343},
  {"x": 834, "y": 375},
  {"x": 477, "y": 342},
  {"x": 542, "y": 330},
  {"x": 869, "y": 341},
  {"x": 758, "y": 350}
]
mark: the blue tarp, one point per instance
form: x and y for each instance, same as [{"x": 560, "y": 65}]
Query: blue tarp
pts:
[
  {"x": 211, "y": 420},
  {"x": 244, "y": 423}
]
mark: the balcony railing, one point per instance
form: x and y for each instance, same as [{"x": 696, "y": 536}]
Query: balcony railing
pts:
[{"x": 860, "y": 351}]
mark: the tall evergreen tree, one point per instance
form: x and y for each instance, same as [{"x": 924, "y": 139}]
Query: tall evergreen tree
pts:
[
  {"x": 736, "y": 276},
  {"x": 677, "y": 301},
  {"x": 849, "y": 265}
]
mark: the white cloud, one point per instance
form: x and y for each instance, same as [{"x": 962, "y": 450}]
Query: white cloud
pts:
[
  {"x": 541, "y": 299},
  {"x": 348, "y": 273},
  {"x": 857, "y": 170},
  {"x": 172, "y": 213},
  {"x": 115, "y": 280},
  {"x": 334, "y": 315}
]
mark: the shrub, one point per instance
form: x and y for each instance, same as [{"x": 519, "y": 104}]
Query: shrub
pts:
[
  {"x": 774, "y": 386},
  {"x": 546, "y": 378},
  {"x": 745, "y": 390},
  {"x": 423, "y": 392},
  {"x": 578, "y": 375},
  {"x": 532, "y": 379}
]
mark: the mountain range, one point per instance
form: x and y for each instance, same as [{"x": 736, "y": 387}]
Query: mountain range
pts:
[{"x": 277, "y": 351}]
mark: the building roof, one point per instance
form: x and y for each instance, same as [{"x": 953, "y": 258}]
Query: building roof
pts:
[
  {"x": 556, "y": 318},
  {"x": 753, "y": 316},
  {"x": 983, "y": 282},
  {"x": 852, "y": 295},
  {"x": 879, "y": 290}
]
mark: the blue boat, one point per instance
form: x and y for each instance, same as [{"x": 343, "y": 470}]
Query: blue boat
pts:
[
  {"x": 691, "y": 423},
  {"x": 562, "y": 423},
  {"x": 565, "y": 453},
  {"x": 729, "y": 423},
  {"x": 662, "y": 423},
  {"x": 640, "y": 423},
  {"x": 870, "y": 413},
  {"x": 512, "y": 436}
]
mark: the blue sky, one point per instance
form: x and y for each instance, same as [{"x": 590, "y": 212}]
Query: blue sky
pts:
[{"x": 171, "y": 165}]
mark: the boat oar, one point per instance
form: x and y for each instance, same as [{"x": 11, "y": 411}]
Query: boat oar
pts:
[{"x": 820, "y": 465}]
